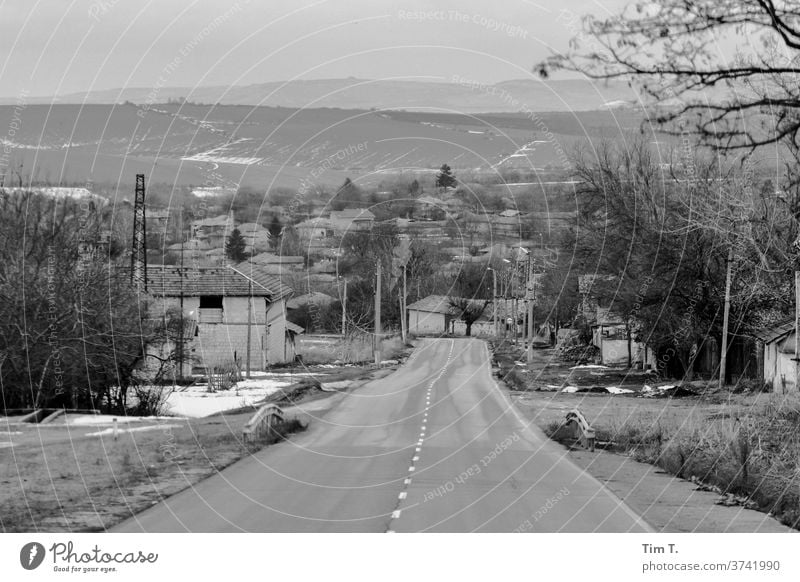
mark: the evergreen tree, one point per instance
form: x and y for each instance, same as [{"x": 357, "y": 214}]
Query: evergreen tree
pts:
[
  {"x": 235, "y": 247},
  {"x": 446, "y": 179},
  {"x": 275, "y": 230}
]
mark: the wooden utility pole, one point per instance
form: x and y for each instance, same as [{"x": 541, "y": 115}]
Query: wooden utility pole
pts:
[
  {"x": 378, "y": 314},
  {"x": 726, "y": 313},
  {"x": 531, "y": 298},
  {"x": 344, "y": 310},
  {"x": 180, "y": 339},
  {"x": 494, "y": 300},
  {"x": 249, "y": 320},
  {"x": 403, "y": 308},
  {"x": 797, "y": 330}
]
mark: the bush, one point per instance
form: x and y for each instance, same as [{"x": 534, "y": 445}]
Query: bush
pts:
[{"x": 280, "y": 432}]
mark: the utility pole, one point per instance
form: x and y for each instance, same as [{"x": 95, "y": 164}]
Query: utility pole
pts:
[
  {"x": 139, "y": 246},
  {"x": 249, "y": 320},
  {"x": 797, "y": 329},
  {"x": 403, "y": 308},
  {"x": 378, "y": 314},
  {"x": 724, "y": 352},
  {"x": 344, "y": 310},
  {"x": 181, "y": 330},
  {"x": 531, "y": 297},
  {"x": 797, "y": 315},
  {"x": 494, "y": 299}
]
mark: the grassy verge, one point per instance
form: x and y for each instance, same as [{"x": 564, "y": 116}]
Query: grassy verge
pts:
[
  {"x": 746, "y": 448},
  {"x": 77, "y": 483}
]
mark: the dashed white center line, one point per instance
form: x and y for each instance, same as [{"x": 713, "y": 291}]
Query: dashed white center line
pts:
[{"x": 402, "y": 495}]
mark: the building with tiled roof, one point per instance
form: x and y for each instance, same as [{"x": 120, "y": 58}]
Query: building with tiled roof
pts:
[
  {"x": 350, "y": 219},
  {"x": 217, "y": 299}
]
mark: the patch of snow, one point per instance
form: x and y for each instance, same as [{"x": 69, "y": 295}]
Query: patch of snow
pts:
[
  {"x": 332, "y": 365},
  {"x": 589, "y": 367},
  {"x": 260, "y": 384},
  {"x": 617, "y": 390},
  {"x": 331, "y": 386},
  {"x": 198, "y": 402},
  {"x": 570, "y": 389},
  {"x": 137, "y": 429},
  {"x": 5, "y": 445},
  {"x": 650, "y": 389},
  {"x": 97, "y": 419}
]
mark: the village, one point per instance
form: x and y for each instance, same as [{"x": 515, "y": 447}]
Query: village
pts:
[{"x": 349, "y": 268}]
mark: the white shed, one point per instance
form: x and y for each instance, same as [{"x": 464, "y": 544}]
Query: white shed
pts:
[{"x": 779, "y": 370}]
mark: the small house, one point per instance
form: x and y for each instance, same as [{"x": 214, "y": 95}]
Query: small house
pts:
[
  {"x": 350, "y": 219},
  {"x": 778, "y": 355},
  {"x": 431, "y": 315}
]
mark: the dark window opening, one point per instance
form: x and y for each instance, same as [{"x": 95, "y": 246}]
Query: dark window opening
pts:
[{"x": 211, "y": 302}]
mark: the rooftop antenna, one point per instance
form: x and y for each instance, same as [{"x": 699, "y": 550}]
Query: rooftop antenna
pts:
[{"x": 139, "y": 250}]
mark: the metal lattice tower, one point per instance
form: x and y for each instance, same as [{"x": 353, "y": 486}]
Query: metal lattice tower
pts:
[{"x": 139, "y": 249}]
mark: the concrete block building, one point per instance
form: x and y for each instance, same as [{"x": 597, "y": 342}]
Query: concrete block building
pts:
[{"x": 217, "y": 300}]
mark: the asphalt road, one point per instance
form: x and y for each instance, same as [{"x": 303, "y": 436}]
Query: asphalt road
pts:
[{"x": 436, "y": 446}]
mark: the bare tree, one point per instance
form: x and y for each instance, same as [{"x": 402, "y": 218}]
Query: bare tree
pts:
[
  {"x": 468, "y": 310},
  {"x": 72, "y": 330},
  {"x": 670, "y": 50}
]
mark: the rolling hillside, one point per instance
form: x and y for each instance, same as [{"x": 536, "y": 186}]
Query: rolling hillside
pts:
[{"x": 263, "y": 146}]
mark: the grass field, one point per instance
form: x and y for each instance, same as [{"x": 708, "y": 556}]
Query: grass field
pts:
[{"x": 54, "y": 480}]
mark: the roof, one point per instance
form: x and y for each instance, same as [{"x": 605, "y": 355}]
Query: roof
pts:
[
  {"x": 272, "y": 259},
  {"x": 158, "y": 213},
  {"x": 314, "y": 223},
  {"x": 294, "y": 328},
  {"x": 431, "y": 200},
  {"x": 249, "y": 227},
  {"x": 314, "y": 297},
  {"x": 353, "y": 213},
  {"x": 508, "y": 213},
  {"x": 265, "y": 280},
  {"x": 172, "y": 281},
  {"x": 775, "y": 332},
  {"x": 433, "y": 304},
  {"x": 221, "y": 220},
  {"x": 438, "y": 304}
]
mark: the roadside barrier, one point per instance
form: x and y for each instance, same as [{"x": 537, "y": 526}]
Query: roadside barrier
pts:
[
  {"x": 262, "y": 422},
  {"x": 583, "y": 430}
]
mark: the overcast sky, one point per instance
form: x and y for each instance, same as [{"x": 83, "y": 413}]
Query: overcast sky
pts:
[{"x": 56, "y": 47}]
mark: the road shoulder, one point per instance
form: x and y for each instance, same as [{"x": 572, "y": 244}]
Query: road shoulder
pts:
[{"x": 667, "y": 503}]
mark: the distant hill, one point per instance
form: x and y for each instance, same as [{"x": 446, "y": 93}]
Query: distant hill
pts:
[
  {"x": 232, "y": 145},
  {"x": 458, "y": 96}
]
